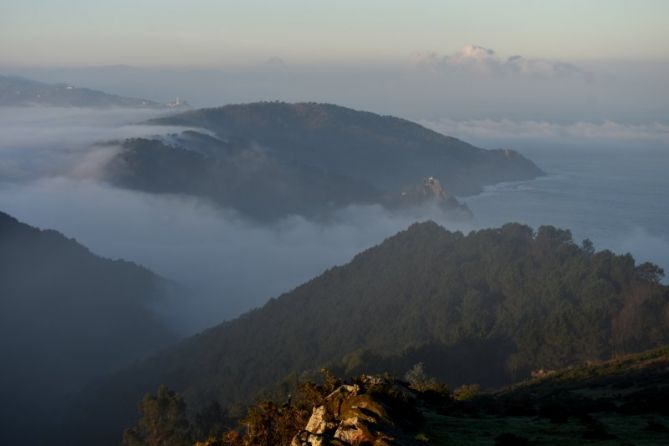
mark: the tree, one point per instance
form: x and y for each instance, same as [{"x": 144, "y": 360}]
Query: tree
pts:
[
  {"x": 268, "y": 424},
  {"x": 421, "y": 382},
  {"x": 588, "y": 247},
  {"x": 648, "y": 272},
  {"x": 212, "y": 420},
  {"x": 163, "y": 422}
]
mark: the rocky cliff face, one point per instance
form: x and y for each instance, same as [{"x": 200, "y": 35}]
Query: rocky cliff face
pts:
[{"x": 371, "y": 411}]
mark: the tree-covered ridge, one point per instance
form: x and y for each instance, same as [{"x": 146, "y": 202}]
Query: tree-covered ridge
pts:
[
  {"x": 273, "y": 160},
  {"x": 246, "y": 178},
  {"x": 67, "y": 317},
  {"x": 487, "y": 307},
  {"x": 388, "y": 152}
]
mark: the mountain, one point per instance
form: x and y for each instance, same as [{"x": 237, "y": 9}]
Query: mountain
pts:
[
  {"x": 488, "y": 307},
  {"x": 253, "y": 180},
  {"x": 20, "y": 92},
  {"x": 388, "y": 152},
  {"x": 271, "y": 160},
  {"x": 67, "y": 317},
  {"x": 244, "y": 178}
]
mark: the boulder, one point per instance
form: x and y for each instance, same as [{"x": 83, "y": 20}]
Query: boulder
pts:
[{"x": 357, "y": 414}]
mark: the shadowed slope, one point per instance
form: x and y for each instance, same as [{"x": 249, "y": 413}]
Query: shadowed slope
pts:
[{"x": 67, "y": 317}]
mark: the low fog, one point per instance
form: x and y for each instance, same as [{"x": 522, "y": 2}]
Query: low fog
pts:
[
  {"x": 228, "y": 264},
  {"x": 49, "y": 167},
  {"x": 43, "y": 142}
]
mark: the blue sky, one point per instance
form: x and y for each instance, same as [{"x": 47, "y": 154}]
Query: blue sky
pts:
[{"x": 215, "y": 33}]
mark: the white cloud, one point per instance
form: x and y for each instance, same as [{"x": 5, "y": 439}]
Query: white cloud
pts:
[{"x": 485, "y": 61}]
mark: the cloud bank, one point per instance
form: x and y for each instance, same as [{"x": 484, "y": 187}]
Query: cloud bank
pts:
[
  {"x": 505, "y": 129},
  {"x": 37, "y": 142},
  {"x": 475, "y": 83},
  {"x": 485, "y": 61},
  {"x": 50, "y": 162},
  {"x": 228, "y": 264}
]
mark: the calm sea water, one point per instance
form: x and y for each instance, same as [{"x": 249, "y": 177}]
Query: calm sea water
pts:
[{"x": 616, "y": 196}]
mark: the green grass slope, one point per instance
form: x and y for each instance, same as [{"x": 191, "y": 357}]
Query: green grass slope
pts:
[{"x": 616, "y": 402}]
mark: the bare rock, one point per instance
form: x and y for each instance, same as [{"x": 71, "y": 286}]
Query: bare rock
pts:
[
  {"x": 320, "y": 421},
  {"x": 357, "y": 414}
]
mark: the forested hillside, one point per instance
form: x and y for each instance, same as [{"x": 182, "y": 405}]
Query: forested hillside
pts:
[
  {"x": 245, "y": 178},
  {"x": 487, "y": 307},
  {"x": 388, "y": 152},
  {"x": 272, "y": 160}
]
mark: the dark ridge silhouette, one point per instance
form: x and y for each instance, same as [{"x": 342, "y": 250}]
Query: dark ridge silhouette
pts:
[{"x": 67, "y": 317}]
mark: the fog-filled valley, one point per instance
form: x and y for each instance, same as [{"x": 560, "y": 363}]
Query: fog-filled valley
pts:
[
  {"x": 213, "y": 250},
  {"x": 53, "y": 178},
  {"x": 335, "y": 223}
]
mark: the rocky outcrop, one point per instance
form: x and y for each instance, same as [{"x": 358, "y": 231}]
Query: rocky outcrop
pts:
[
  {"x": 371, "y": 411},
  {"x": 432, "y": 187},
  {"x": 431, "y": 191}
]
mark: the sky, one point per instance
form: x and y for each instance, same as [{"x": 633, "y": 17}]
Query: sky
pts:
[
  {"x": 562, "y": 61},
  {"x": 214, "y": 33}
]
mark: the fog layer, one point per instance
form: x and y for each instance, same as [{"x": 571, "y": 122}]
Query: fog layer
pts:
[{"x": 49, "y": 162}]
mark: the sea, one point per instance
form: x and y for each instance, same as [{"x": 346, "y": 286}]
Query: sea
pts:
[{"x": 616, "y": 195}]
